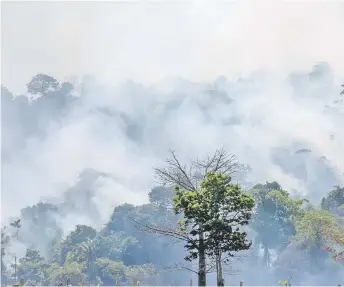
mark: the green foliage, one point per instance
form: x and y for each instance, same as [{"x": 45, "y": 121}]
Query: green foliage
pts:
[
  {"x": 317, "y": 232},
  {"x": 313, "y": 226},
  {"x": 68, "y": 273},
  {"x": 143, "y": 273},
  {"x": 275, "y": 215},
  {"x": 218, "y": 209},
  {"x": 283, "y": 282},
  {"x": 31, "y": 266},
  {"x": 116, "y": 246},
  {"x": 228, "y": 210},
  {"x": 110, "y": 271},
  {"x": 334, "y": 201},
  {"x": 121, "y": 252},
  {"x": 81, "y": 234}
]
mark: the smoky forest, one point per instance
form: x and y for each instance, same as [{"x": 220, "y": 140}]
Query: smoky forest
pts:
[{"x": 215, "y": 182}]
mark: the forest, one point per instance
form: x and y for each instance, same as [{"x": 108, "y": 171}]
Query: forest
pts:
[{"x": 209, "y": 217}]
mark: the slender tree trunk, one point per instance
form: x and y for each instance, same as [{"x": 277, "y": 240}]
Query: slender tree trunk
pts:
[
  {"x": 266, "y": 256},
  {"x": 15, "y": 269},
  {"x": 219, "y": 273},
  {"x": 15, "y": 260},
  {"x": 202, "y": 274}
]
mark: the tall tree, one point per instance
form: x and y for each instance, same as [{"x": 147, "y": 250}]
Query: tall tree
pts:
[
  {"x": 16, "y": 224},
  {"x": 274, "y": 217},
  {"x": 221, "y": 209},
  {"x": 189, "y": 178}
]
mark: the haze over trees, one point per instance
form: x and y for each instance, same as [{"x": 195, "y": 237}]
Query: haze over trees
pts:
[{"x": 215, "y": 209}]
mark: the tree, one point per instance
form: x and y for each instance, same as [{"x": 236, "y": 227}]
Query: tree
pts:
[
  {"x": 189, "y": 179},
  {"x": 118, "y": 221},
  {"x": 111, "y": 272},
  {"x": 146, "y": 273},
  {"x": 16, "y": 224},
  {"x": 42, "y": 84},
  {"x": 67, "y": 274},
  {"x": 84, "y": 253},
  {"x": 31, "y": 267},
  {"x": 117, "y": 246},
  {"x": 221, "y": 209},
  {"x": 81, "y": 234},
  {"x": 335, "y": 239},
  {"x": 274, "y": 217},
  {"x": 162, "y": 196},
  {"x": 4, "y": 241},
  {"x": 312, "y": 230},
  {"x": 41, "y": 218},
  {"x": 334, "y": 201}
]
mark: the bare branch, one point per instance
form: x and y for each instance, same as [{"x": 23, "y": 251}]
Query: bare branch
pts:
[
  {"x": 176, "y": 233},
  {"x": 178, "y": 267},
  {"x": 190, "y": 177},
  {"x": 221, "y": 161},
  {"x": 175, "y": 174}
]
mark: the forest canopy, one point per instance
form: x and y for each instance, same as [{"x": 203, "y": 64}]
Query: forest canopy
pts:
[{"x": 205, "y": 218}]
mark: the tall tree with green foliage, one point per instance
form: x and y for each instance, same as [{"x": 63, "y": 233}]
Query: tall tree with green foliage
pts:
[
  {"x": 189, "y": 178},
  {"x": 218, "y": 209},
  {"x": 274, "y": 217}
]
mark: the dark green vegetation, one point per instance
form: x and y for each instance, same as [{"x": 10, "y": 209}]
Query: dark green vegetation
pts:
[
  {"x": 122, "y": 251},
  {"x": 259, "y": 234}
]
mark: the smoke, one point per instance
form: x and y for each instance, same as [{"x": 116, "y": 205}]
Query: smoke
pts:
[
  {"x": 101, "y": 151},
  {"x": 127, "y": 131},
  {"x": 147, "y": 42}
]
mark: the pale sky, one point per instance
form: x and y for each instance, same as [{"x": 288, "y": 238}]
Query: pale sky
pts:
[{"x": 149, "y": 41}]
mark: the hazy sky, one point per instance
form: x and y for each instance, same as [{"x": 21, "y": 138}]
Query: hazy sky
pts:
[{"x": 149, "y": 41}]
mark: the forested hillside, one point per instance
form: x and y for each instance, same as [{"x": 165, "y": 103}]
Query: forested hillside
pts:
[{"x": 82, "y": 203}]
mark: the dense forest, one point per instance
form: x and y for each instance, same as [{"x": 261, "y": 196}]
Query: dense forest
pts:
[{"x": 217, "y": 212}]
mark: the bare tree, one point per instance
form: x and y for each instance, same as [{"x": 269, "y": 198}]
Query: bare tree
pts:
[{"x": 190, "y": 177}]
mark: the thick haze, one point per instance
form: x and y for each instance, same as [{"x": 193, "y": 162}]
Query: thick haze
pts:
[
  {"x": 127, "y": 130},
  {"x": 146, "y": 42}
]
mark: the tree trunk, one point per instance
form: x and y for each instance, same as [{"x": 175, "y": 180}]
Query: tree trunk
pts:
[
  {"x": 15, "y": 269},
  {"x": 217, "y": 271},
  {"x": 266, "y": 256},
  {"x": 220, "y": 281},
  {"x": 202, "y": 274}
]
